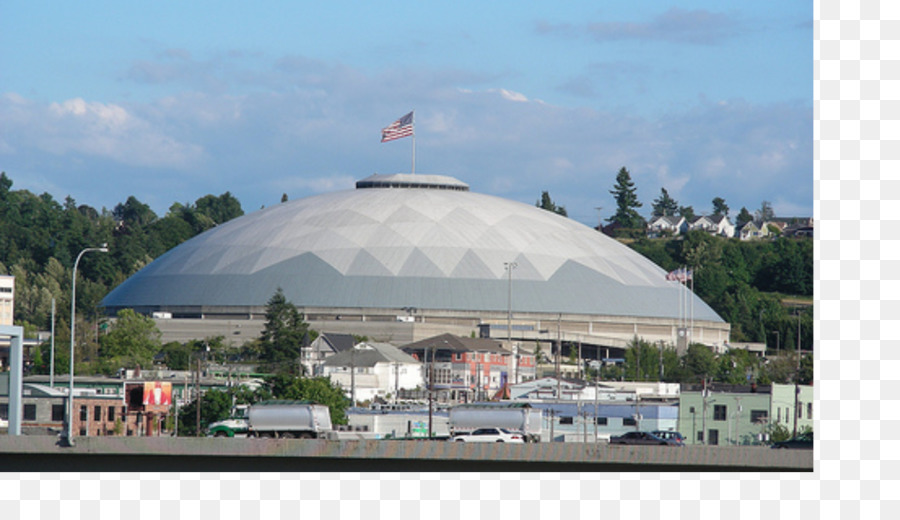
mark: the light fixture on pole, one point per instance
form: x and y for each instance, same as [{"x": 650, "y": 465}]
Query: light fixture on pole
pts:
[
  {"x": 69, "y": 440},
  {"x": 509, "y": 266}
]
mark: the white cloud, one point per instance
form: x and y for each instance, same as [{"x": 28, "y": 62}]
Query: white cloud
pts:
[
  {"x": 510, "y": 95},
  {"x": 305, "y": 127},
  {"x": 84, "y": 129}
]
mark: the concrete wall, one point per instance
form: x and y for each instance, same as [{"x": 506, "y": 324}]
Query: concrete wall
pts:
[{"x": 210, "y": 454}]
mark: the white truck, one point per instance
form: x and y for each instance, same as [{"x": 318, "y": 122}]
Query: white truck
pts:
[
  {"x": 466, "y": 418},
  {"x": 277, "y": 419}
]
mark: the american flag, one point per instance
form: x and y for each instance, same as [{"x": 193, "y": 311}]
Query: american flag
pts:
[
  {"x": 402, "y": 127},
  {"x": 681, "y": 275}
]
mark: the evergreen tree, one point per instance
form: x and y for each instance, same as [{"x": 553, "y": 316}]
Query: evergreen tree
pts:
[
  {"x": 664, "y": 205},
  {"x": 719, "y": 207},
  {"x": 626, "y": 202},
  {"x": 284, "y": 331},
  {"x": 547, "y": 203},
  {"x": 687, "y": 212},
  {"x": 743, "y": 217}
]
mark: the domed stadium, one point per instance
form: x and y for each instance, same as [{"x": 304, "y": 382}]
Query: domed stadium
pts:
[{"x": 408, "y": 256}]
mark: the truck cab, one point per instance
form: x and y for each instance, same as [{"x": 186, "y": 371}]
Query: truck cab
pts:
[{"x": 235, "y": 426}]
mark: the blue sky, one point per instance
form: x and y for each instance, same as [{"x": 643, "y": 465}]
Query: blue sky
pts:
[{"x": 170, "y": 101}]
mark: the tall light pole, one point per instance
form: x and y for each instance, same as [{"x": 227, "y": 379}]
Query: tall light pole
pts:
[
  {"x": 431, "y": 394},
  {"x": 509, "y": 266},
  {"x": 52, "y": 338},
  {"x": 69, "y": 440},
  {"x": 797, "y": 378}
]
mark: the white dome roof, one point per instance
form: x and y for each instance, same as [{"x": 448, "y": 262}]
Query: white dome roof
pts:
[{"x": 392, "y": 247}]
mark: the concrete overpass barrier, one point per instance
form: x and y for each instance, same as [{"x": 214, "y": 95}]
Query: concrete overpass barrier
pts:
[{"x": 43, "y": 453}]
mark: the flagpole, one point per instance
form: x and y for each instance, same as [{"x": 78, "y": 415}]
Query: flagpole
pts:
[
  {"x": 414, "y": 143},
  {"x": 692, "y": 304}
]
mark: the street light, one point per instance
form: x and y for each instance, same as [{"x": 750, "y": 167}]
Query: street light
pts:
[
  {"x": 509, "y": 266},
  {"x": 69, "y": 440}
]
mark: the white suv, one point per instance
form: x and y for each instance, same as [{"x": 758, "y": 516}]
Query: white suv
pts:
[{"x": 490, "y": 435}]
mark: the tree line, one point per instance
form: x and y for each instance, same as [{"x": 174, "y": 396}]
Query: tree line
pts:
[
  {"x": 763, "y": 288},
  {"x": 41, "y": 237}
]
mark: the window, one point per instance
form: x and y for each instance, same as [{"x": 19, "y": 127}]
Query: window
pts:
[
  {"x": 98, "y": 413},
  {"x": 699, "y": 436},
  {"x": 82, "y": 414},
  {"x": 714, "y": 437},
  {"x": 566, "y": 420},
  {"x": 629, "y": 421},
  {"x": 759, "y": 416},
  {"x": 720, "y": 412},
  {"x": 809, "y": 410},
  {"x": 57, "y": 412},
  {"x": 30, "y": 412},
  {"x": 4, "y": 411},
  {"x": 111, "y": 414},
  {"x": 601, "y": 421}
]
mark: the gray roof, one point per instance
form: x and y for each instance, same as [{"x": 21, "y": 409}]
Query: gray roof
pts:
[
  {"x": 442, "y": 249},
  {"x": 368, "y": 355},
  {"x": 456, "y": 344},
  {"x": 338, "y": 342}
]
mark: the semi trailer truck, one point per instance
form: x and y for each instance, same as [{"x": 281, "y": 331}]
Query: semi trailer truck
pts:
[
  {"x": 466, "y": 418},
  {"x": 276, "y": 419}
]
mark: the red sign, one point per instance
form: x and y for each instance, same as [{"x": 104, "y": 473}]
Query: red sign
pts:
[{"x": 158, "y": 393}]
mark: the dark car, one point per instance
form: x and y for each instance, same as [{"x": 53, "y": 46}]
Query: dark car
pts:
[
  {"x": 676, "y": 437},
  {"x": 804, "y": 441},
  {"x": 642, "y": 438}
]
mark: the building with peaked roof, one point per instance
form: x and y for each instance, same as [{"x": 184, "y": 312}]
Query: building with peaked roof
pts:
[
  {"x": 714, "y": 224},
  {"x": 405, "y": 257},
  {"x": 471, "y": 369},
  {"x": 327, "y": 344},
  {"x": 378, "y": 370},
  {"x": 671, "y": 224}
]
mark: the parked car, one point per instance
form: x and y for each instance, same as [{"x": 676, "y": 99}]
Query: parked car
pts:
[
  {"x": 804, "y": 441},
  {"x": 675, "y": 437},
  {"x": 490, "y": 435},
  {"x": 642, "y": 438}
]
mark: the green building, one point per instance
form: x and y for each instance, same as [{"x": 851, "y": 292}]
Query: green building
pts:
[{"x": 741, "y": 415}]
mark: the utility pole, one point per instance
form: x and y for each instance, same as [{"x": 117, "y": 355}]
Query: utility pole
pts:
[
  {"x": 705, "y": 396},
  {"x": 797, "y": 378},
  {"x": 580, "y": 366},
  {"x": 197, "y": 390},
  {"x": 558, "y": 354},
  {"x": 431, "y": 395},
  {"x": 661, "y": 361},
  {"x": 509, "y": 269},
  {"x": 52, "y": 337}
]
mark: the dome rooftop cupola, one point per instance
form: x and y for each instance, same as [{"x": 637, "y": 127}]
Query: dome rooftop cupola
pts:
[{"x": 410, "y": 180}]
